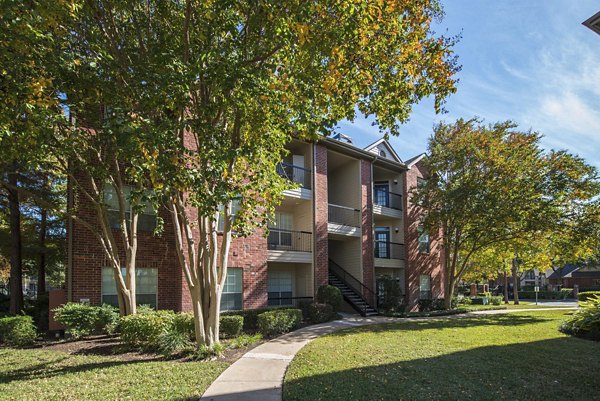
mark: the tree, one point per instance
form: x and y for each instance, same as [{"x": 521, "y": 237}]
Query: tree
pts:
[
  {"x": 246, "y": 77},
  {"x": 493, "y": 184}
]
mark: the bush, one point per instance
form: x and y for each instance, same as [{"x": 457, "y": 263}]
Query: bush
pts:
[
  {"x": 172, "y": 342},
  {"x": 480, "y": 301},
  {"x": 143, "y": 330},
  {"x": 231, "y": 326},
  {"x": 585, "y": 295},
  {"x": 81, "y": 320},
  {"x": 251, "y": 316},
  {"x": 320, "y": 313},
  {"x": 428, "y": 305},
  {"x": 496, "y": 300},
  {"x": 586, "y": 321},
  {"x": 279, "y": 321},
  {"x": 17, "y": 330},
  {"x": 245, "y": 340},
  {"x": 565, "y": 293},
  {"x": 329, "y": 294},
  {"x": 392, "y": 300}
]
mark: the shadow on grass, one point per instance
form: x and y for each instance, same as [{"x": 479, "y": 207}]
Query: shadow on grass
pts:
[
  {"x": 54, "y": 368},
  {"x": 556, "y": 369},
  {"x": 441, "y": 323}
]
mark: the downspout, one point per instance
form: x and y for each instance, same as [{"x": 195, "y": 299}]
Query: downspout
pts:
[{"x": 70, "y": 203}]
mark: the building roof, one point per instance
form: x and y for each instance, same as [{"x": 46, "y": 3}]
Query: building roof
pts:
[
  {"x": 563, "y": 272},
  {"x": 350, "y": 149},
  {"x": 373, "y": 148},
  {"x": 593, "y": 22},
  {"x": 414, "y": 160},
  {"x": 587, "y": 271}
]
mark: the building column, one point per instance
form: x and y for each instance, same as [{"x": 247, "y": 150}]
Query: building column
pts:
[
  {"x": 320, "y": 199},
  {"x": 367, "y": 227}
]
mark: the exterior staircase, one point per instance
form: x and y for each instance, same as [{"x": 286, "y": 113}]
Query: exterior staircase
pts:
[{"x": 351, "y": 290}]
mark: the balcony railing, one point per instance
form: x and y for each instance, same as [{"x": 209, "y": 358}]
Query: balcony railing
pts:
[
  {"x": 297, "y": 174},
  {"x": 287, "y": 240},
  {"x": 385, "y": 198},
  {"x": 344, "y": 215},
  {"x": 389, "y": 250}
]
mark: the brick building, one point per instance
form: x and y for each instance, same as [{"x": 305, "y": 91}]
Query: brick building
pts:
[{"x": 349, "y": 223}]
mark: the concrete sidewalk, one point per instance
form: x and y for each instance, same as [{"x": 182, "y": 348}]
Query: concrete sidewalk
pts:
[{"x": 258, "y": 375}]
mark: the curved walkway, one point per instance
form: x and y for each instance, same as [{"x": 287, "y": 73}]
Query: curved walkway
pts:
[{"x": 258, "y": 374}]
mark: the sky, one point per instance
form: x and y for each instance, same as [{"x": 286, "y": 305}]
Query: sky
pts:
[{"x": 529, "y": 61}]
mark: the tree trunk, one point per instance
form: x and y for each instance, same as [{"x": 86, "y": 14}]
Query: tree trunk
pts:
[
  {"x": 515, "y": 282},
  {"x": 41, "y": 271},
  {"x": 505, "y": 288},
  {"x": 16, "y": 267},
  {"x": 451, "y": 283}
]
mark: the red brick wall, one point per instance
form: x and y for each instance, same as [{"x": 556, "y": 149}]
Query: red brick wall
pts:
[
  {"x": 153, "y": 252},
  {"x": 367, "y": 225},
  {"x": 420, "y": 263},
  {"x": 321, "y": 251}
]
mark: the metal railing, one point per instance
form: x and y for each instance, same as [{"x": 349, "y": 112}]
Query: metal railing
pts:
[
  {"x": 344, "y": 215},
  {"x": 288, "y": 240},
  {"x": 385, "y": 198},
  {"x": 389, "y": 250},
  {"x": 288, "y": 301},
  {"x": 364, "y": 292},
  {"x": 297, "y": 174}
]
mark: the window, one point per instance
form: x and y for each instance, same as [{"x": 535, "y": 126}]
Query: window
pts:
[
  {"x": 145, "y": 282},
  {"x": 382, "y": 242},
  {"x": 421, "y": 183},
  {"x": 425, "y": 287},
  {"x": 231, "y": 298},
  {"x": 382, "y": 153},
  {"x": 423, "y": 240},
  {"x": 382, "y": 193},
  {"x": 280, "y": 236},
  {"x": 280, "y": 288},
  {"x": 146, "y": 219},
  {"x": 235, "y": 208}
]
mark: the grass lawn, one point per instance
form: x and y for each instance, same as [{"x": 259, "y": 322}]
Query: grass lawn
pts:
[
  {"x": 516, "y": 356},
  {"x": 33, "y": 374}
]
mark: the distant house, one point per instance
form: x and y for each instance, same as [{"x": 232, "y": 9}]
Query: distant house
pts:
[{"x": 586, "y": 277}]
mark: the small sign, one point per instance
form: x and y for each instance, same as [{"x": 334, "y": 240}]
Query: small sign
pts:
[{"x": 537, "y": 289}]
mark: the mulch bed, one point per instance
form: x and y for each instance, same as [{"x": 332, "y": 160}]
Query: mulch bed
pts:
[{"x": 104, "y": 345}]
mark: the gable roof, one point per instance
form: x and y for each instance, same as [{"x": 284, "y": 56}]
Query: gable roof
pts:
[
  {"x": 414, "y": 160},
  {"x": 563, "y": 272},
  {"x": 387, "y": 145}
]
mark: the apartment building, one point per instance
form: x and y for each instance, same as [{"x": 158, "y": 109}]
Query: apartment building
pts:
[{"x": 349, "y": 222}]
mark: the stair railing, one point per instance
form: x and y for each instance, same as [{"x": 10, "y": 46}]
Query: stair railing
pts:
[{"x": 364, "y": 292}]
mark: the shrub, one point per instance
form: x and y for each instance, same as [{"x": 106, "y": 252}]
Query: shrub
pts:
[
  {"x": 183, "y": 323},
  {"x": 586, "y": 321},
  {"x": 320, "y": 313},
  {"x": 17, "y": 330},
  {"x": 245, "y": 340},
  {"x": 81, "y": 320},
  {"x": 480, "y": 300},
  {"x": 393, "y": 299},
  {"x": 585, "y": 295},
  {"x": 251, "y": 316},
  {"x": 172, "y": 342},
  {"x": 565, "y": 293},
  {"x": 231, "y": 326},
  {"x": 329, "y": 294},
  {"x": 143, "y": 330},
  {"x": 279, "y": 321},
  {"x": 496, "y": 300},
  {"x": 427, "y": 305}
]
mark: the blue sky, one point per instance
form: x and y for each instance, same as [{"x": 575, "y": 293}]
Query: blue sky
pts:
[{"x": 528, "y": 61}]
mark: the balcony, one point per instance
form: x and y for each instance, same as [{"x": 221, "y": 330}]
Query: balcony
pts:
[
  {"x": 298, "y": 175},
  {"x": 289, "y": 246},
  {"x": 389, "y": 254},
  {"x": 344, "y": 220},
  {"x": 387, "y": 203}
]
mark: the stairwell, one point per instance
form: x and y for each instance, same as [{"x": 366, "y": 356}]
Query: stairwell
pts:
[{"x": 341, "y": 279}]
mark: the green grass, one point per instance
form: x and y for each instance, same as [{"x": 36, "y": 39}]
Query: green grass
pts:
[
  {"x": 29, "y": 374},
  {"x": 516, "y": 356}
]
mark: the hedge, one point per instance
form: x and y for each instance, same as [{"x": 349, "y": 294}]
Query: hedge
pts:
[
  {"x": 328, "y": 294},
  {"x": 251, "y": 316},
  {"x": 81, "y": 320},
  {"x": 321, "y": 313},
  {"x": 17, "y": 330},
  {"x": 279, "y": 321}
]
